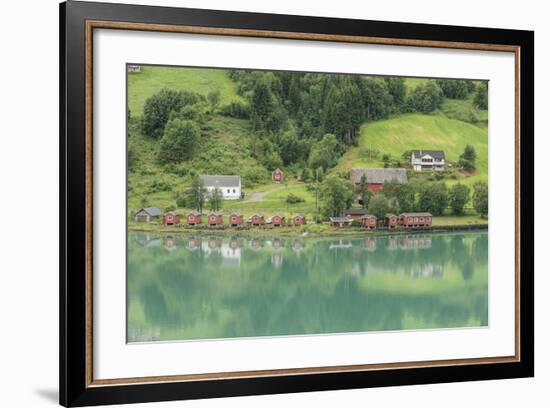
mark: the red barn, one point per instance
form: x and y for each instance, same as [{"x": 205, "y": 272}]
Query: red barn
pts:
[
  {"x": 368, "y": 221},
  {"x": 375, "y": 178},
  {"x": 419, "y": 219},
  {"x": 194, "y": 218},
  {"x": 299, "y": 219},
  {"x": 277, "y": 220},
  {"x": 391, "y": 221},
  {"x": 277, "y": 176},
  {"x": 257, "y": 219},
  {"x": 215, "y": 219},
  {"x": 355, "y": 213},
  {"x": 170, "y": 218},
  {"x": 235, "y": 219}
]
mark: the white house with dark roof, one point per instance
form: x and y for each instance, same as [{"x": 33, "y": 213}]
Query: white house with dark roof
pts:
[
  {"x": 230, "y": 186},
  {"x": 428, "y": 160}
]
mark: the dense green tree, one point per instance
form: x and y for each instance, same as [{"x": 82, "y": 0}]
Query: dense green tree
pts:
[
  {"x": 336, "y": 194},
  {"x": 197, "y": 194},
  {"x": 292, "y": 149},
  {"x": 261, "y": 104},
  {"x": 455, "y": 88},
  {"x": 467, "y": 159},
  {"x": 459, "y": 195},
  {"x": 434, "y": 198},
  {"x": 425, "y": 98},
  {"x": 480, "y": 198},
  {"x": 179, "y": 141},
  {"x": 481, "y": 98},
  {"x": 324, "y": 153},
  {"x": 398, "y": 90},
  {"x": 380, "y": 205},
  {"x": 157, "y": 110},
  {"x": 403, "y": 193},
  {"x": 215, "y": 199}
]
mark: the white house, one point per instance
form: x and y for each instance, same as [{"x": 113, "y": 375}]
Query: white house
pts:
[
  {"x": 428, "y": 160},
  {"x": 230, "y": 186}
]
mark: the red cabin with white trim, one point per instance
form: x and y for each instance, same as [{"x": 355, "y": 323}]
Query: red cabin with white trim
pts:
[
  {"x": 235, "y": 219},
  {"x": 277, "y": 220},
  {"x": 415, "y": 220},
  {"x": 214, "y": 219},
  {"x": 368, "y": 221},
  {"x": 170, "y": 218},
  {"x": 257, "y": 219},
  {"x": 277, "y": 176},
  {"x": 194, "y": 218},
  {"x": 299, "y": 219}
]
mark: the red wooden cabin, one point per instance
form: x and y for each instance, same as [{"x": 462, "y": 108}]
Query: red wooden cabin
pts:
[
  {"x": 170, "y": 218},
  {"x": 420, "y": 219},
  {"x": 391, "y": 221},
  {"x": 277, "y": 176},
  {"x": 215, "y": 219},
  {"x": 235, "y": 219},
  {"x": 368, "y": 221},
  {"x": 257, "y": 219},
  {"x": 355, "y": 213},
  {"x": 194, "y": 218},
  {"x": 299, "y": 219},
  {"x": 277, "y": 220}
]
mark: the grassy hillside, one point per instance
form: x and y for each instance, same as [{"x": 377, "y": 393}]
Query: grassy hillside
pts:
[
  {"x": 152, "y": 79},
  {"x": 415, "y": 131}
]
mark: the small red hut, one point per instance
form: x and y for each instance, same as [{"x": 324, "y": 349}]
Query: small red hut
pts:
[
  {"x": 299, "y": 219},
  {"x": 214, "y": 219},
  {"x": 391, "y": 221},
  {"x": 194, "y": 218},
  {"x": 277, "y": 176},
  {"x": 170, "y": 218},
  {"x": 420, "y": 219},
  {"x": 235, "y": 219},
  {"x": 368, "y": 221},
  {"x": 257, "y": 219},
  {"x": 277, "y": 220}
]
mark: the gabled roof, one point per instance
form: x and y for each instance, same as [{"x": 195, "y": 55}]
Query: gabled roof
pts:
[
  {"x": 152, "y": 211},
  {"x": 355, "y": 211},
  {"x": 379, "y": 176},
  {"x": 368, "y": 216},
  {"x": 340, "y": 219},
  {"x": 436, "y": 154},
  {"x": 194, "y": 213},
  {"x": 417, "y": 214},
  {"x": 220, "y": 181}
]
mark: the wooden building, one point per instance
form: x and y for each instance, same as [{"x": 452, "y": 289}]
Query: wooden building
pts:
[
  {"x": 215, "y": 219},
  {"x": 147, "y": 214},
  {"x": 376, "y": 178},
  {"x": 277, "y": 220},
  {"x": 194, "y": 218},
  {"x": 368, "y": 221},
  {"x": 170, "y": 218},
  {"x": 416, "y": 219},
  {"x": 277, "y": 176},
  {"x": 299, "y": 219},
  {"x": 235, "y": 219},
  {"x": 257, "y": 219},
  {"x": 341, "y": 221},
  {"x": 391, "y": 221},
  {"x": 355, "y": 213}
]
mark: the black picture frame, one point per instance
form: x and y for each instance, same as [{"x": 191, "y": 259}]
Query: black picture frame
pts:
[{"x": 74, "y": 389}]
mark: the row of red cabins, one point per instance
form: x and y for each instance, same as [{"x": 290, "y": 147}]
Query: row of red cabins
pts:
[
  {"x": 235, "y": 219},
  {"x": 369, "y": 221}
]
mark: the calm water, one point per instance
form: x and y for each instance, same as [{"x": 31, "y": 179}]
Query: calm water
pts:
[{"x": 182, "y": 287}]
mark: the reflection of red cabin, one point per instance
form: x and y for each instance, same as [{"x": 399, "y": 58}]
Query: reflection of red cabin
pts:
[
  {"x": 368, "y": 221},
  {"x": 170, "y": 218},
  {"x": 391, "y": 221},
  {"x": 257, "y": 219},
  {"x": 369, "y": 244},
  {"x": 415, "y": 219},
  {"x": 193, "y": 244},
  {"x": 299, "y": 219},
  {"x": 214, "y": 219},
  {"x": 277, "y": 220},
  {"x": 277, "y": 244},
  {"x": 235, "y": 219},
  {"x": 277, "y": 176},
  {"x": 194, "y": 218},
  {"x": 170, "y": 243}
]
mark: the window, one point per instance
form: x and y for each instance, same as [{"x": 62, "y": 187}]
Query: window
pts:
[
  {"x": 233, "y": 191},
  {"x": 228, "y": 191}
]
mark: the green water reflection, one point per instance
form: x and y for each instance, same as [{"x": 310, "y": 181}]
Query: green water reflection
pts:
[{"x": 182, "y": 287}]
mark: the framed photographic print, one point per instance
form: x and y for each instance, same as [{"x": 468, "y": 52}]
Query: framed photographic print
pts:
[{"x": 255, "y": 203}]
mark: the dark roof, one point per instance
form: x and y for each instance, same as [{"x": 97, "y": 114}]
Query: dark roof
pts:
[
  {"x": 355, "y": 211},
  {"x": 152, "y": 211},
  {"x": 379, "y": 176},
  {"x": 436, "y": 154},
  {"x": 417, "y": 214},
  {"x": 340, "y": 219},
  {"x": 220, "y": 181}
]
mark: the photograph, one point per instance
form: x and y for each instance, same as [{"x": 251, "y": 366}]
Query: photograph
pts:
[{"x": 266, "y": 203}]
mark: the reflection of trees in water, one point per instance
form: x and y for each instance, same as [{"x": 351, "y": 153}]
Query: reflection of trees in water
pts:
[{"x": 301, "y": 286}]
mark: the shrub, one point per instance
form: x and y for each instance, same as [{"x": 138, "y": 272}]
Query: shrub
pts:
[
  {"x": 235, "y": 109},
  {"x": 294, "y": 199}
]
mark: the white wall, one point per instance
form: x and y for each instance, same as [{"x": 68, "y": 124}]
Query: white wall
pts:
[{"x": 29, "y": 185}]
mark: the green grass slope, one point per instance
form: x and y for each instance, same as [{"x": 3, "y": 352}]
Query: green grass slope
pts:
[
  {"x": 416, "y": 131},
  {"x": 152, "y": 79}
]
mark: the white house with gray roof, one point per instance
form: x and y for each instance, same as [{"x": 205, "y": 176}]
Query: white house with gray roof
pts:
[
  {"x": 428, "y": 160},
  {"x": 230, "y": 186}
]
